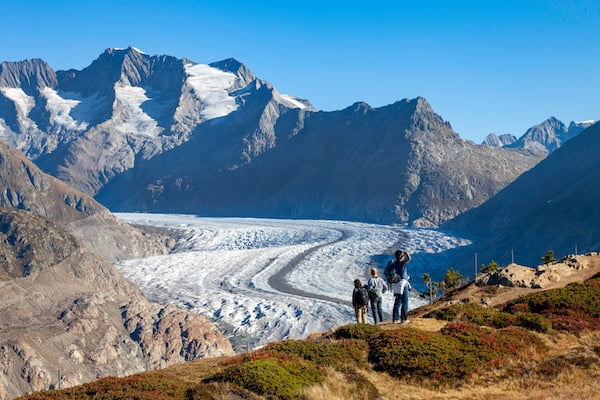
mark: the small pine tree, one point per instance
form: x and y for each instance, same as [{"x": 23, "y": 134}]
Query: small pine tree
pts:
[
  {"x": 491, "y": 267},
  {"x": 452, "y": 278},
  {"x": 549, "y": 257}
]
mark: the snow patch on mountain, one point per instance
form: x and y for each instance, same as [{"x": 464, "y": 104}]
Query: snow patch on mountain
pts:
[
  {"x": 60, "y": 110},
  {"x": 23, "y": 102},
  {"x": 212, "y": 86},
  {"x": 128, "y": 110},
  {"x": 292, "y": 102}
]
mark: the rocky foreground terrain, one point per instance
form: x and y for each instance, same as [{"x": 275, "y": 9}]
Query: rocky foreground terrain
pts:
[{"x": 517, "y": 333}]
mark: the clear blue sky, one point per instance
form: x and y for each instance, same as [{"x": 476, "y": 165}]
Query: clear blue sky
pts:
[{"x": 484, "y": 66}]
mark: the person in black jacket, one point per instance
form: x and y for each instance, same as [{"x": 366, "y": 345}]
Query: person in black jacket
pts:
[{"x": 360, "y": 300}]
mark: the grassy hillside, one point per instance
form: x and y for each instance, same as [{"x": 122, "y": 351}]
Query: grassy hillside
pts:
[{"x": 545, "y": 344}]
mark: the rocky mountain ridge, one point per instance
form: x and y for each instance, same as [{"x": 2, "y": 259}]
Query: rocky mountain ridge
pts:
[{"x": 25, "y": 187}]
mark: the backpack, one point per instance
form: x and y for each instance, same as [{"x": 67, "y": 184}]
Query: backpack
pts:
[
  {"x": 391, "y": 273},
  {"x": 363, "y": 298}
]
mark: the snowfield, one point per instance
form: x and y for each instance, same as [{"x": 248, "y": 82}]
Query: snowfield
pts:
[{"x": 276, "y": 279}]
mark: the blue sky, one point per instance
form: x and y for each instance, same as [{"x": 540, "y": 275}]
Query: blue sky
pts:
[{"x": 484, "y": 66}]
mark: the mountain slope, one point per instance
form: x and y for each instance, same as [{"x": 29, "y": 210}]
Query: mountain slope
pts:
[
  {"x": 554, "y": 206},
  {"x": 399, "y": 163},
  {"x": 23, "y": 186},
  {"x": 63, "y": 305},
  {"x": 66, "y": 312}
]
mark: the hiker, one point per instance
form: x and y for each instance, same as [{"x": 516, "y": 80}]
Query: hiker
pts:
[
  {"x": 376, "y": 287},
  {"x": 360, "y": 300},
  {"x": 400, "y": 311},
  {"x": 396, "y": 269},
  {"x": 397, "y": 273}
]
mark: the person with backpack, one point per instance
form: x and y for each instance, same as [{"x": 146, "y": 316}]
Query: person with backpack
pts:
[
  {"x": 396, "y": 269},
  {"x": 360, "y": 300},
  {"x": 376, "y": 287}
]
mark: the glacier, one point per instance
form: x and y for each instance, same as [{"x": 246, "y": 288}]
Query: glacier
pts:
[{"x": 272, "y": 279}]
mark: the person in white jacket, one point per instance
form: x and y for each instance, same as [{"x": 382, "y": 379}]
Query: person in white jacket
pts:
[
  {"x": 400, "y": 312},
  {"x": 401, "y": 288}
]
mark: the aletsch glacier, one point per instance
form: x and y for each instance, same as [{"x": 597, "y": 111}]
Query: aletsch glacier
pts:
[{"x": 275, "y": 279}]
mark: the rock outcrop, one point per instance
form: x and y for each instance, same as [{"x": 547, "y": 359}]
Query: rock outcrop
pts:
[{"x": 544, "y": 276}]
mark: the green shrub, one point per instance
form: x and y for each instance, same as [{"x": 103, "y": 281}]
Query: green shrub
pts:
[
  {"x": 572, "y": 321},
  {"x": 457, "y": 351},
  {"x": 573, "y": 308},
  {"x": 335, "y": 353},
  {"x": 494, "y": 345},
  {"x": 413, "y": 353},
  {"x": 219, "y": 391},
  {"x": 552, "y": 367},
  {"x": 362, "y": 384},
  {"x": 584, "y": 297},
  {"x": 356, "y": 331},
  {"x": 272, "y": 377},
  {"x": 476, "y": 314},
  {"x": 534, "y": 322},
  {"x": 148, "y": 386}
]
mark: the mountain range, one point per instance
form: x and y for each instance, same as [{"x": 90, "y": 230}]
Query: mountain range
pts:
[
  {"x": 157, "y": 133},
  {"x": 545, "y": 137}
]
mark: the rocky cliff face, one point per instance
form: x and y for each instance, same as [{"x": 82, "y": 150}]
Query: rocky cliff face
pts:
[{"x": 68, "y": 317}]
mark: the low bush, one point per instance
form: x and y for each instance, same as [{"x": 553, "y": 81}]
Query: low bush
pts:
[
  {"x": 534, "y": 322},
  {"x": 413, "y": 353},
  {"x": 583, "y": 297},
  {"x": 273, "y": 377},
  {"x": 356, "y": 331},
  {"x": 476, "y": 314},
  {"x": 148, "y": 386},
  {"x": 552, "y": 367},
  {"x": 335, "y": 354},
  {"x": 457, "y": 351},
  {"x": 572, "y": 321},
  {"x": 573, "y": 308},
  {"x": 494, "y": 345}
]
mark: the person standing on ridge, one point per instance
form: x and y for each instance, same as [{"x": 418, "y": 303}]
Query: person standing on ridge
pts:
[
  {"x": 360, "y": 301},
  {"x": 401, "y": 286},
  {"x": 376, "y": 287}
]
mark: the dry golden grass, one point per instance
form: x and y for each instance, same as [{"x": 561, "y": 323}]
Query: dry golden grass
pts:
[{"x": 336, "y": 386}]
